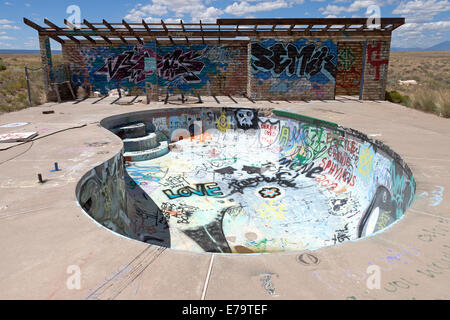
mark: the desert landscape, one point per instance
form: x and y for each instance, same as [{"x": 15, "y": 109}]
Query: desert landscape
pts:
[
  {"x": 431, "y": 73},
  {"x": 429, "y": 92}
]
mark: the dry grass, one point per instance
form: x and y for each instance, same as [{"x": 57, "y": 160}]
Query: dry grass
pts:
[
  {"x": 432, "y": 72},
  {"x": 13, "y": 86}
]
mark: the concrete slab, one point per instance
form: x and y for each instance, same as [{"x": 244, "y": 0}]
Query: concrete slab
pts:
[{"x": 44, "y": 232}]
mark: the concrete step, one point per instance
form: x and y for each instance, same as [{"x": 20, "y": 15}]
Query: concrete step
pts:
[
  {"x": 154, "y": 153},
  {"x": 146, "y": 142},
  {"x": 131, "y": 131}
]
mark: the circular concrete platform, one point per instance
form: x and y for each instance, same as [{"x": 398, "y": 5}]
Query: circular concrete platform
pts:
[{"x": 48, "y": 241}]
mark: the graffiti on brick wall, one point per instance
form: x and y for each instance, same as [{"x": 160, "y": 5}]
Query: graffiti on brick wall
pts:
[
  {"x": 298, "y": 68},
  {"x": 131, "y": 67},
  {"x": 107, "y": 68},
  {"x": 294, "y": 60},
  {"x": 348, "y": 78},
  {"x": 196, "y": 67},
  {"x": 182, "y": 65},
  {"x": 374, "y": 58},
  {"x": 261, "y": 184}
]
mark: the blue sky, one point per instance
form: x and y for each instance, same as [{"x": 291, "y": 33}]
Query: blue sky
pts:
[{"x": 427, "y": 21}]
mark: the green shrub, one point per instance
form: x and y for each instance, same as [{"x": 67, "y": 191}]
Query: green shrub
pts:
[{"x": 396, "y": 97}]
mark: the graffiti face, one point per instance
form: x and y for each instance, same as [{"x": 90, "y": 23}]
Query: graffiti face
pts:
[{"x": 245, "y": 117}]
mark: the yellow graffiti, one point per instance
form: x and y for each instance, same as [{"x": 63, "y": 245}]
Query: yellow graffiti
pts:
[
  {"x": 383, "y": 220},
  {"x": 365, "y": 162},
  {"x": 223, "y": 123},
  {"x": 271, "y": 211}
]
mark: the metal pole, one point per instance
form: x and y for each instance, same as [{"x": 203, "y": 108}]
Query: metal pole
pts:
[{"x": 28, "y": 86}]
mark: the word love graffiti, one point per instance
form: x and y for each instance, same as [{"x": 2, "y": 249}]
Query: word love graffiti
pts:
[
  {"x": 307, "y": 61},
  {"x": 202, "y": 190}
]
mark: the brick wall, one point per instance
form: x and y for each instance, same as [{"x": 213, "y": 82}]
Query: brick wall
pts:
[
  {"x": 293, "y": 69},
  {"x": 202, "y": 69},
  {"x": 350, "y": 64},
  {"x": 285, "y": 68},
  {"x": 375, "y": 69},
  {"x": 103, "y": 68},
  {"x": 194, "y": 69}
]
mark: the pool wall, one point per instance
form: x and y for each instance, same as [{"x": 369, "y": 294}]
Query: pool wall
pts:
[{"x": 346, "y": 157}]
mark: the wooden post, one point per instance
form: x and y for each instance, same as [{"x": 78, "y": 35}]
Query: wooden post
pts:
[
  {"x": 55, "y": 86},
  {"x": 28, "y": 86}
]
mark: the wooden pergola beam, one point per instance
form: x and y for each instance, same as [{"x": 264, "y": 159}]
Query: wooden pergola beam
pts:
[
  {"x": 67, "y": 23},
  {"x": 201, "y": 29},
  {"x": 39, "y": 29},
  {"x": 147, "y": 27},
  {"x": 114, "y": 31},
  {"x": 167, "y": 31},
  {"x": 329, "y": 27},
  {"x": 89, "y": 25},
  {"x": 290, "y": 28},
  {"x": 184, "y": 30},
  {"x": 132, "y": 31},
  {"x": 232, "y": 34},
  {"x": 305, "y": 21},
  {"x": 345, "y": 27},
  {"x": 54, "y": 26}
]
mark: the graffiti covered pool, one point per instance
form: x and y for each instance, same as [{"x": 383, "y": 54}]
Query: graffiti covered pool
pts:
[{"x": 240, "y": 181}]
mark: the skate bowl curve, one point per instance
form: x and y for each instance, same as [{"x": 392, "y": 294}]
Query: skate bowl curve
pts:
[{"x": 240, "y": 180}]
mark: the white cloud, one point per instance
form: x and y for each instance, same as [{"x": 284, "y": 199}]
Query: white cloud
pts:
[
  {"x": 196, "y": 9},
  {"x": 142, "y": 12},
  {"x": 422, "y": 10},
  {"x": 243, "y": 7},
  {"x": 7, "y": 38},
  {"x": 418, "y": 34},
  {"x": 7, "y": 24},
  {"x": 211, "y": 14},
  {"x": 9, "y": 27},
  {"x": 357, "y": 5}
]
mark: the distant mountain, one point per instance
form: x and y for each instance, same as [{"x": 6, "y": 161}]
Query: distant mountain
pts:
[
  {"x": 443, "y": 46},
  {"x": 22, "y": 51}
]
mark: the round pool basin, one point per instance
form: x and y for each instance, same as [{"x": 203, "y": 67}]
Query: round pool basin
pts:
[{"x": 238, "y": 180}]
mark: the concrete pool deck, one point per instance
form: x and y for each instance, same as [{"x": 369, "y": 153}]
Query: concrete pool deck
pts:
[{"x": 43, "y": 231}]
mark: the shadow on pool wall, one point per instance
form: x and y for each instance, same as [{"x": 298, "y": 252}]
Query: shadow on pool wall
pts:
[{"x": 302, "y": 183}]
